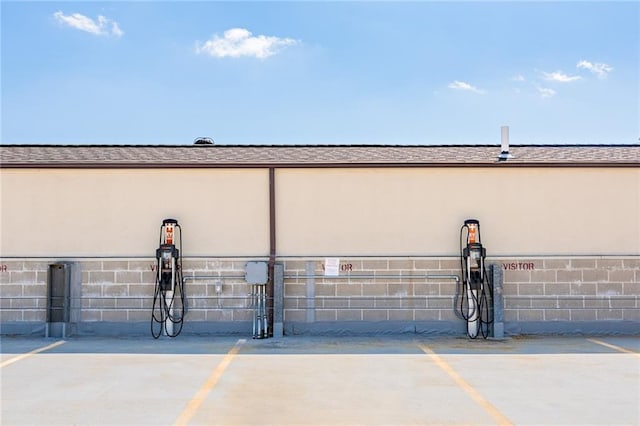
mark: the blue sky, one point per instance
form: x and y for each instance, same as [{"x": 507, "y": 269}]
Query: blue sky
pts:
[{"x": 320, "y": 72}]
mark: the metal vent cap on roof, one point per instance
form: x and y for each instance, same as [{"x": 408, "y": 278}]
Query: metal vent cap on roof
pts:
[{"x": 203, "y": 141}]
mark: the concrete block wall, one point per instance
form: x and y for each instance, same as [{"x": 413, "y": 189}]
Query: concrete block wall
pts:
[{"x": 537, "y": 291}]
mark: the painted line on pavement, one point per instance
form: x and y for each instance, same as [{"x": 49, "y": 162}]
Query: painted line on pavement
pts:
[
  {"x": 195, "y": 402},
  {"x": 499, "y": 418},
  {"x": 28, "y": 354},
  {"x": 614, "y": 347}
]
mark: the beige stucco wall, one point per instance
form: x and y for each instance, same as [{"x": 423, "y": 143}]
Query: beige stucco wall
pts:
[
  {"x": 321, "y": 212},
  {"x": 119, "y": 212},
  {"x": 411, "y": 211}
]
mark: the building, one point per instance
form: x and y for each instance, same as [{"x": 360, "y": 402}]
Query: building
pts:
[{"x": 561, "y": 225}]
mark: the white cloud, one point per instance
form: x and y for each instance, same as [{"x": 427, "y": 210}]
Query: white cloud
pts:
[
  {"x": 461, "y": 85},
  {"x": 601, "y": 70},
  {"x": 560, "y": 77},
  {"x": 518, "y": 77},
  {"x": 238, "y": 42},
  {"x": 545, "y": 92},
  {"x": 102, "y": 27}
]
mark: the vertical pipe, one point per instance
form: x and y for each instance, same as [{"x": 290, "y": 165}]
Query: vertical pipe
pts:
[
  {"x": 504, "y": 140},
  {"x": 272, "y": 247}
]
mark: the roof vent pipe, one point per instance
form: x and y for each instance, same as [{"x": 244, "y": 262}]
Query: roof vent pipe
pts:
[
  {"x": 504, "y": 144},
  {"x": 504, "y": 130}
]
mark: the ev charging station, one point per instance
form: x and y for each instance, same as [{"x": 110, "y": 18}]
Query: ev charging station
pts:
[
  {"x": 475, "y": 294},
  {"x": 169, "y": 299}
]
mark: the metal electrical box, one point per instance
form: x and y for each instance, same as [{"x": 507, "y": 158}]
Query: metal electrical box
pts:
[
  {"x": 256, "y": 273},
  {"x": 58, "y": 299}
]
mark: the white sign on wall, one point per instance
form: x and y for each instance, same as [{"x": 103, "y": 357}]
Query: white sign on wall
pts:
[{"x": 331, "y": 266}]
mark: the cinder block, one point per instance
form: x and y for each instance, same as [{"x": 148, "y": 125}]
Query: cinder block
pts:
[
  {"x": 375, "y": 265},
  {"x": 34, "y": 315},
  {"x": 400, "y": 315},
  {"x": 11, "y": 290},
  {"x": 212, "y": 315},
  {"x": 595, "y": 275},
  {"x": 596, "y": 303},
  {"x": 126, "y": 303},
  {"x": 426, "y": 314},
  {"x": 115, "y": 265},
  {"x": 349, "y": 289},
  {"x": 609, "y": 289},
  {"x": 34, "y": 290},
  {"x": 569, "y": 276},
  {"x": 624, "y": 302},
  {"x": 242, "y": 314},
  {"x": 300, "y": 315},
  {"x": 295, "y": 290},
  {"x": 609, "y": 314},
  {"x": 194, "y": 265},
  {"x": 531, "y": 289},
  {"x": 556, "y": 264},
  {"x": 11, "y": 315},
  {"x": 23, "y": 303},
  {"x": 447, "y": 315},
  {"x": 90, "y": 315},
  {"x": 103, "y": 303},
  {"x": 557, "y": 314},
  {"x": 510, "y": 315},
  {"x": 531, "y": 315},
  {"x": 388, "y": 302},
  {"x": 321, "y": 315},
  {"x": 632, "y": 288},
  {"x": 631, "y": 314},
  {"x": 400, "y": 289},
  {"x": 23, "y": 277},
  {"x": 557, "y": 289},
  {"x": 362, "y": 303},
  {"x": 548, "y": 303},
  {"x": 631, "y": 263},
  {"x": 138, "y": 315},
  {"x": 291, "y": 266},
  {"x": 134, "y": 289},
  {"x": 571, "y": 303},
  {"x": 543, "y": 275},
  {"x": 429, "y": 289},
  {"x": 609, "y": 263},
  {"x": 114, "y": 315},
  {"x": 116, "y": 290},
  {"x": 427, "y": 264},
  {"x": 349, "y": 315},
  {"x": 403, "y": 265},
  {"x": 101, "y": 277},
  {"x": 374, "y": 315},
  {"x": 374, "y": 289},
  {"x": 449, "y": 264},
  {"x": 440, "y": 303},
  {"x": 623, "y": 275},
  {"x": 583, "y": 315},
  {"x": 336, "y": 303},
  {"x": 517, "y": 276},
  {"x": 583, "y": 263},
  {"x": 140, "y": 265},
  {"x": 586, "y": 289},
  {"x": 91, "y": 265},
  {"x": 414, "y": 303},
  {"x": 514, "y": 303}
]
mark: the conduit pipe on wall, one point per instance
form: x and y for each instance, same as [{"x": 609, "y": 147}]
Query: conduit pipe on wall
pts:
[{"x": 272, "y": 248}]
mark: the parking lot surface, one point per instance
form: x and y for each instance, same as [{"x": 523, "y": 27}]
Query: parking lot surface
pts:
[{"x": 304, "y": 380}]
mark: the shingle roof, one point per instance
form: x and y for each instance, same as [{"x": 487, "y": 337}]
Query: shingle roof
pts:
[{"x": 116, "y": 156}]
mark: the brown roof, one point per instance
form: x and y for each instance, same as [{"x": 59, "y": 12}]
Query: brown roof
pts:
[{"x": 137, "y": 156}]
